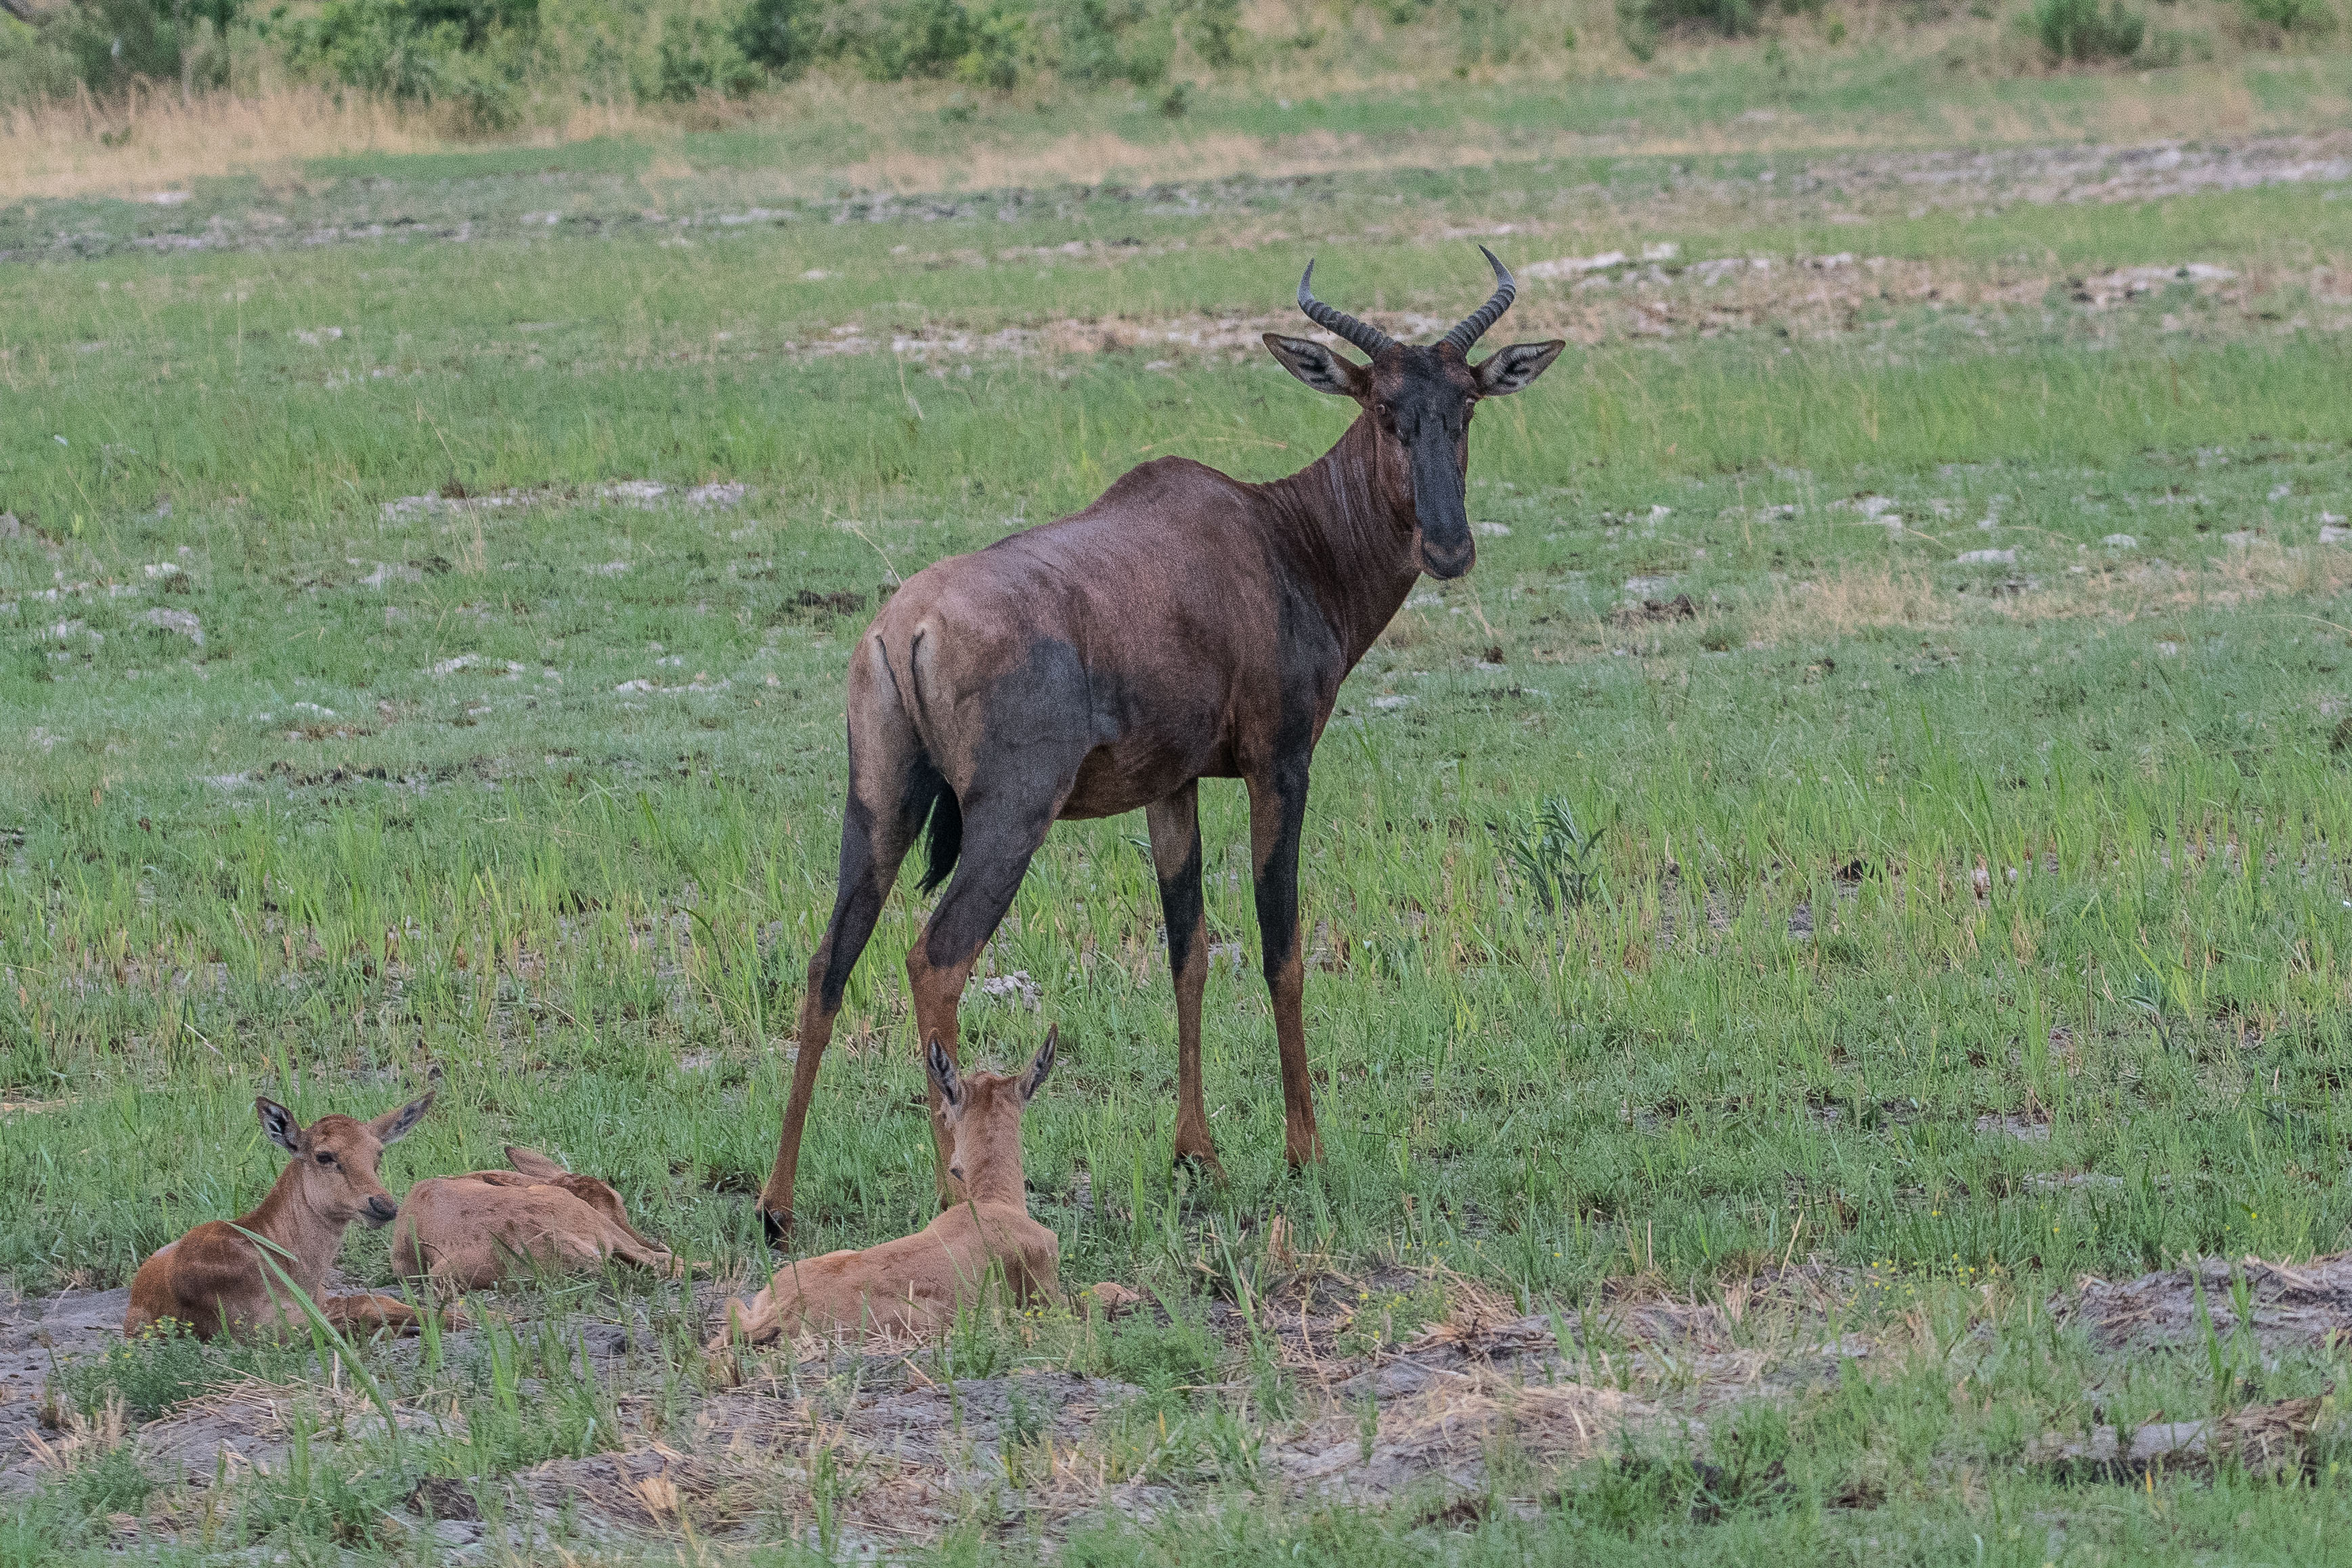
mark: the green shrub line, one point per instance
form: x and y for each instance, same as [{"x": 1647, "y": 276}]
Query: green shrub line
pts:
[{"x": 496, "y": 62}]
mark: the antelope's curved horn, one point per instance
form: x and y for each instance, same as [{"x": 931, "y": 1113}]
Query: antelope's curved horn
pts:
[
  {"x": 1372, "y": 339},
  {"x": 1476, "y": 324}
]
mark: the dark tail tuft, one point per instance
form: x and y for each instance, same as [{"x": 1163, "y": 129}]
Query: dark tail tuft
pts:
[{"x": 935, "y": 802}]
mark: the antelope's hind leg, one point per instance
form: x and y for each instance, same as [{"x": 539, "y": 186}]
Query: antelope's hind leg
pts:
[
  {"x": 1033, "y": 733},
  {"x": 1175, "y": 827},
  {"x": 893, "y": 787}
]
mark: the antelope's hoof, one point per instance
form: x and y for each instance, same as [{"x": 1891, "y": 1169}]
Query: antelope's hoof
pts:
[
  {"x": 778, "y": 1223},
  {"x": 1203, "y": 1163}
]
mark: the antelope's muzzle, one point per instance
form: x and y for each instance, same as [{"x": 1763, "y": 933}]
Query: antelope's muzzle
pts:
[
  {"x": 1446, "y": 548},
  {"x": 381, "y": 1211}
]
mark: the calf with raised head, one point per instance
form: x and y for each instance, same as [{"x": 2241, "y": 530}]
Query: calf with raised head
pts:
[
  {"x": 1186, "y": 625},
  {"x": 464, "y": 1233},
  {"x": 913, "y": 1286},
  {"x": 213, "y": 1280}
]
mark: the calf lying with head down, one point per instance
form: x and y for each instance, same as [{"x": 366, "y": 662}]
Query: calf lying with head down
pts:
[
  {"x": 466, "y": 1233},
  {"x": 213, "y": 1279},
  {"x": 913, "y": 1286}
]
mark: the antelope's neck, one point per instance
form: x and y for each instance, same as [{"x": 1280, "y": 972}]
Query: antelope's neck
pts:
[
  {"x": 308, "y": 1240},
  {"x": 998, "y": 1181},
  {"x": 1348, "y": 540}
]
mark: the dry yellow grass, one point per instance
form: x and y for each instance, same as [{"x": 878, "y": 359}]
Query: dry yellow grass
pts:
[
  {"x": 154, "y": 142},
  {"x": 1861, "y": 599}
]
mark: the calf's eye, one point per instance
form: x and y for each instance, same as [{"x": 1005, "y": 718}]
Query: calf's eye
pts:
[{"x": 326, "y": 1159}]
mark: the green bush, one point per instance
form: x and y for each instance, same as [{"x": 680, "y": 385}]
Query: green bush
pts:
[
  {"x": 107, "y": 44},
  {"x": 2078, "y": 31},
  {"x": 920, "y": 38},
  {"x": 1213, "y": 28},
  {"x": 2290, "y": 15},
  {"x": 473, "y": 53},
  {"x": 1112, "y": 40},
  {"x": 698, "y": 57},
  {"x": 1001, "y": 45},
  {"x": 1643, "y": 23},
  {"x": 779, "y": 35}
]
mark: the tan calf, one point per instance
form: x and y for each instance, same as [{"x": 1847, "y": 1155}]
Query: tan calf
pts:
[
  {"x": 212, "y": 1278},
  {"x": 913, "y": 1286},
  {"x": 466, "y": 1232}
]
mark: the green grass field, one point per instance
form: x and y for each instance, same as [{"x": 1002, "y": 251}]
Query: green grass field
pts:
[{"x": 1944, "y": 630}]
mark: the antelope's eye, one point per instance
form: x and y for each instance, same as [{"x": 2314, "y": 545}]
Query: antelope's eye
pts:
[{"x": 326, "y": 1159}]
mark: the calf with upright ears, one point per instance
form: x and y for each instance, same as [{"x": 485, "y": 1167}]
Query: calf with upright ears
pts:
[
  {"x": 213, "y": 1279},
  {"x": 913, "y": 1285}
]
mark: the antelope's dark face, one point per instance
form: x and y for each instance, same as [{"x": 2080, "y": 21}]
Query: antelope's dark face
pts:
[{"x": 1420, "y": 400}]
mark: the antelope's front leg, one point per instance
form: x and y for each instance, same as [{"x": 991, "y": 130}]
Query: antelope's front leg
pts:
[
  {"x": 1175, "y": 827},
  {"x": 1277, "y": 815},
  {"x": 370, "y": 1313}
]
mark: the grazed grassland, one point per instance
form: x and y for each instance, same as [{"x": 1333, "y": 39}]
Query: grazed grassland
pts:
[{"x": 429, "y": 590}]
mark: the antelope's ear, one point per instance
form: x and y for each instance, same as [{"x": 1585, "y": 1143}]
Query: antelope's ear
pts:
[
  {"x": 944, "y": 1076},
  {"x": 1319, "y": 367},
  {"x": 393, "y": 1125},
  {"x": 277, "y": 1124},
  {"x": 1034, "y": 1078},
  {"x": 531, "y": 1162},
  {"x": 1506, "y": 370}
]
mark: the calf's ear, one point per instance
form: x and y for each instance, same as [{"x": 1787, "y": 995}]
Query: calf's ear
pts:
[
  {"x": 944, "y": 1076},
  {"x": 393, "y": 1125},
  {"x": 531, "y": 1162},
  {"x": 277, "y": 1124},
  {"x": 1034, "y": 1078}
]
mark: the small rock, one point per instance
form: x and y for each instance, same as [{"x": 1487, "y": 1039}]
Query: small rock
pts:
[
  {"x": 2120, "y": 542},
  {"x": 1574, "y": 266},
  {"x": 1491, "y": 530},
  {"x": 1986, "y": 558},
  {"x": 183, "y": 622},
  {"x": 2025, "y": 1130},
  {"x": 1015, "y": 987}
]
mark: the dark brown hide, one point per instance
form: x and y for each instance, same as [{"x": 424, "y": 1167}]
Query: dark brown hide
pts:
[{"x": 1186, "y": 625}]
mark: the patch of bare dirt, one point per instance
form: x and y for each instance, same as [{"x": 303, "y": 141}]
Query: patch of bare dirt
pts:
[
  {"x": 2291, "y": 1305},
  {"x": 1804, "y": 296},
  {"x": 33, "y": 1333},
  {"x": 2268, "y": 1440},
  {"x": 1857, "y": 598}
]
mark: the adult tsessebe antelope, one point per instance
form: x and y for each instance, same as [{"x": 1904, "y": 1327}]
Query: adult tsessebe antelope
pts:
[
  {"x": 913, "y": 1285},
  {"x": 1186, "y": 625},
  {"x": 213, "y": 1280}
]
